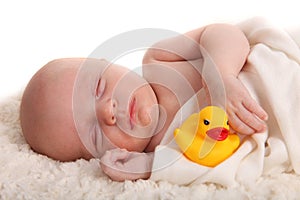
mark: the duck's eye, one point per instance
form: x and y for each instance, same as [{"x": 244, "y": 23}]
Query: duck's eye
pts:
[
  {"x": 206, "y": 122},
  {"x": 227, "y": 123}
]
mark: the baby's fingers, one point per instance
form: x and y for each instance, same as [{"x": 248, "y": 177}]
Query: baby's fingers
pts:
[
  {"x": 255, "y": 108},
  {"x": 238, "y": 125},
  {"x": 245, "y": 122},
  {"x": 250, "y": 119}
]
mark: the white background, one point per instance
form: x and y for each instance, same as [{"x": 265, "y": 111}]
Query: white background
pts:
[{"x": 33, "y": 32}]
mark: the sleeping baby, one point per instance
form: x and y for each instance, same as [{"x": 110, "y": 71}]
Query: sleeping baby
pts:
[{"x": 91, "y": 108}]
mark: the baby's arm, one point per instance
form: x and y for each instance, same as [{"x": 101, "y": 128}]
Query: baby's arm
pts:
[
  {"x": 224, "y": 49},
  {"x": 121, "y": 165}
]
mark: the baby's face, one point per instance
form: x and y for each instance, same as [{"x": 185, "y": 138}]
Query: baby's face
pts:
[{"x": 68, "y": 104}]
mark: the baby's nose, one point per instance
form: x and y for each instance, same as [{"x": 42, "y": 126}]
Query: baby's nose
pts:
[{"x": 108, "y": 111}]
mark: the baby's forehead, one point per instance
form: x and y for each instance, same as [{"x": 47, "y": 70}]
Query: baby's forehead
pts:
[
  {"x": 93, "y": 67},
  {"x": 67, "y": 70}
]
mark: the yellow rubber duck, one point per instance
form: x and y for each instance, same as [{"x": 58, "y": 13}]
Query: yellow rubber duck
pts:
[{"x": 204, "y": 137}]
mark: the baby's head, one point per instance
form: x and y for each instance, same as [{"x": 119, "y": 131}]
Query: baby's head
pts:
[{"x": 64, "y": 126}]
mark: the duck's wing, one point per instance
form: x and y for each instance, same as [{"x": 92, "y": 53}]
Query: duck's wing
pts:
[
  {"x": 206, "y": 147},
  {"x": 185, "y": 135}
]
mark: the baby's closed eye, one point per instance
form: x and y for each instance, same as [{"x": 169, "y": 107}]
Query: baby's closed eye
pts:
[{"x": 100, "y": 88}]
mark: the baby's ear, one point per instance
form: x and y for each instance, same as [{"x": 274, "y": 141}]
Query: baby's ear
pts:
[{"x": 121, "y": 165}]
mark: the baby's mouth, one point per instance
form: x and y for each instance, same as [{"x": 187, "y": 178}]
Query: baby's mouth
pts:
[{"x": 132, "y": 113}]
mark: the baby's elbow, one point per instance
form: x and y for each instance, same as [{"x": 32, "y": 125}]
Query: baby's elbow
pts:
[{"x": 149, "y": 56}]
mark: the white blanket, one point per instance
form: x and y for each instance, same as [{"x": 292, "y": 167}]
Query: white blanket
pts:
[{"x": 272, "y": 76}]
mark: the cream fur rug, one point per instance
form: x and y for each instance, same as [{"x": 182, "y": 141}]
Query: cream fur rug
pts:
[{"x": 25, "y": 174}]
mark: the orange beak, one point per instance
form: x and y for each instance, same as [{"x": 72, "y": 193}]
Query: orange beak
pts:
[{"x": 218, "y": 134}]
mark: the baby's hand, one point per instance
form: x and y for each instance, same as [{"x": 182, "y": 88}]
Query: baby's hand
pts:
[
  {"x": 245, "y": 115},
  {"x": 120, "y": 164}
]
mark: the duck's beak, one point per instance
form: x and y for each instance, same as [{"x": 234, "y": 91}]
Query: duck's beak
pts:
[{"x": 218, "y": 134}]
